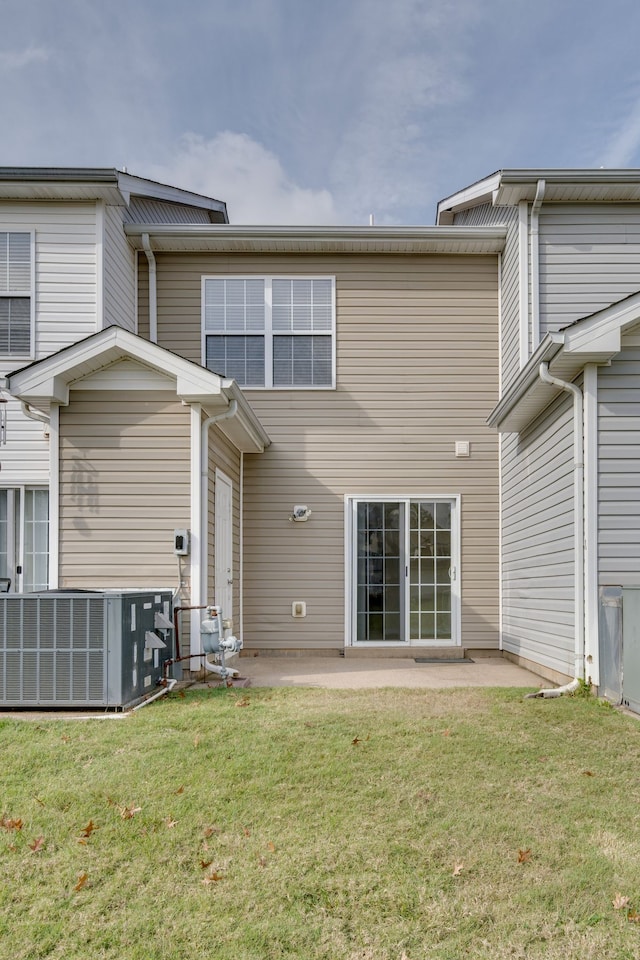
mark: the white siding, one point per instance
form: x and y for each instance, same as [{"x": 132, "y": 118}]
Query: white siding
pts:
[
  {"x": 119, "y": 273},
  {"x": 619, "y": 470},
  {"x": 537, "y": 541},
  {"x": 589, "y": 258},
  {"x": 66, "y": 298}
]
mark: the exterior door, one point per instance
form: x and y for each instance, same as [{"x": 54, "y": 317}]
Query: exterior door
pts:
[
  {"x": 223, "y": 543},
  {"x": 24, "y": 539},
  {"x": 404, "y": 571}
]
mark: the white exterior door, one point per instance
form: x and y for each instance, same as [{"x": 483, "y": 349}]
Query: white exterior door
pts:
[
  {"x": 404, "y": 571},
  {"x": 24, "y": 538},
  {"x": 223, "y": 544}
]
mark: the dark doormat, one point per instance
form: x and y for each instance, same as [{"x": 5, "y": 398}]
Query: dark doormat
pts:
[{"x": 442, "y": 660}]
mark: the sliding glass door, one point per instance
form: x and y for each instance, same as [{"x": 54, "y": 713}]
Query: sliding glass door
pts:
[
  {"x": 404, "y": 563},
  {"x": 24, "y": 539}
]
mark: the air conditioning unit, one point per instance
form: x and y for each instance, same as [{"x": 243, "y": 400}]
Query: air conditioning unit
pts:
[{"x": 67, "y": 648}]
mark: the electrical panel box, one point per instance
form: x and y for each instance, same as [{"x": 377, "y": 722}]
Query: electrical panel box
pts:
[
  {"x": 181, "y": 543},
  {"x": 102, "y": 648}
]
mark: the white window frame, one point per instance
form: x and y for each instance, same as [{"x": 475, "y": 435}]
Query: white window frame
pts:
[
  {"x": 16, "y": 495},
  {"x": 268, "y": 332},
  {"x": 30, "y": 293},
  {"x": 351, "y": 502}
]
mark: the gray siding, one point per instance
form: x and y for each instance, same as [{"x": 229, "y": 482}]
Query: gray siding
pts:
[
  {"x": 589, "y": 258},
  {"x": 119, "y": 273},
  {"x": 147, "y": 210},
  {"x": 485, "y": 215},
  {"x": 538, "y": 540},
  {"x": 619, "y": 470},
  {"x": 416, "y": 370}
]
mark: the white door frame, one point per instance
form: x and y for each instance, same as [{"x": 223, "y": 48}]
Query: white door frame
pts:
[
  {"x": 351, "y": 503},
  {"x": 223, "y": 543}
]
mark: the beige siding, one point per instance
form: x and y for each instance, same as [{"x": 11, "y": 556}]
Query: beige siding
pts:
[
  {"x": 119, "y": 273},
  {"x": 124, "y": 487},
  {"x": 416, "y": 371}
]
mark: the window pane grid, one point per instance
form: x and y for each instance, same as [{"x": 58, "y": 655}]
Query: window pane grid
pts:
[
  {"x": 293, "y": 317},
  {"x": 429, "y": 571},
  {"x": 15, "y": 289},
  {"x": 379, "y": 556},
  {"x": 15, "y": 325}
]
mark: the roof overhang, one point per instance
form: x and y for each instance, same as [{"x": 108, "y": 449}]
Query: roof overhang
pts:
[
  {"x": 594, "y": 339},
  {"x": 95, "y": 183},
  {"x": 507, "y": 188},
  {"x": 49, "y": 381},
  {"x": 169, "y": 238}
]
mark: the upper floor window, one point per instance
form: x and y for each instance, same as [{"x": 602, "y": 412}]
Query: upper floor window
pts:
[
  {"x": 15, "y": 294},
  {"x": 273, "y": 332}
]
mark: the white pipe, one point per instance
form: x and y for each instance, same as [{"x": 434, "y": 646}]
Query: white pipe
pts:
[
  {"x": 241, "y": 558},
  {"x": 169, "y": 687},
  {"x": 535, "y": 265},
  {"x": 523, "y": 280},
  {"x": 153, "y": 289},
  {"x": 578, "y": 525},
  {"x": 34, "y": 414}
]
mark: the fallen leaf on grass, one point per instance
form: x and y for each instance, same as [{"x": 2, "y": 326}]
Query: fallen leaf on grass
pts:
[
  {"x": 271, "y": 847},
  {"x": 88, "y": 830},
  {"x": 424, "y": 795},
  {"x": 620, "y": 902},
  {"x": 457, "y": 868},
  {"x": 262, "y": 861},
  {"x": 587, "y": 773},
  {"x": 128, "y": 812},
  {"x": 181, "y": 694},
  {"x": 205, "y": 863},
  {"x": 524, "y": 856},
  {"x": 246, "y": 831},
  {"x": 633, "y": 916},
  {"x": 209, "y": 831},
  {"x": 9, "y": 823},
  {"x": 356, "y": 741},
  {"x": 82, "y": 879},
  {"x": 212, "y": 877},
  {"x": 65, "y": 738},
  {"x": 179, "y": 791},
  {"x": 169, "y": 823},
  {"x": 37, "y": 844},
  {"x": 196, "y": 741},
  {"x": 38, "y": 800},
  {"x": 446, "y": 733},
  {"x": 244, "y": 702}
]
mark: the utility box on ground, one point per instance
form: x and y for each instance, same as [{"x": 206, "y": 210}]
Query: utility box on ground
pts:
[{"x": 91, "y": 649}]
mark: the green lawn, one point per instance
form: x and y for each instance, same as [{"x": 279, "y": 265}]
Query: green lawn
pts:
[{"x": 377, "y": 825}]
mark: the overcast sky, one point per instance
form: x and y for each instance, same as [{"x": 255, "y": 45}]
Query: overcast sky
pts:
[{"x": 320, "y": 111}]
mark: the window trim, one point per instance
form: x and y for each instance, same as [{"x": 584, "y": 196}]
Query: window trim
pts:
[
  {"x": 268, "y": 332},
  {"x": 15, "y": 294}
]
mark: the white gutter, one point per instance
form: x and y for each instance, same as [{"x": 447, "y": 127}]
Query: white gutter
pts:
[
  {"x": 199, "y": 583},
  {"x": 535, "y": 265},
  {"x": 153, "y": 289},
  {"x": 578, "y": 524}
]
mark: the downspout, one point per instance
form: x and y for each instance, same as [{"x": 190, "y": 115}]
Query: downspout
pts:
[
  {"x": 578, "y": 523},
  {"x": 153, "y": 289},
  {"x": 535, "y": 265},
  {"x": 227, "y": 414},
  {"x": 35, "y": 414}
]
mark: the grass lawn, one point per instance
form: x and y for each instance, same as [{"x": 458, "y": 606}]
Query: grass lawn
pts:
[{"x": 376, "y": 825}]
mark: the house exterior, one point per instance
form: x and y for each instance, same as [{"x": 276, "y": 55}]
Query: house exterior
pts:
[
  {"x": 567, "y": 417},
  {"x": 342, "y": 376},
  {"x": 66, "y": 272}
]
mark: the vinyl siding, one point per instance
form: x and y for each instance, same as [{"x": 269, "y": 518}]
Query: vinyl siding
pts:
[
  {"x": 484, "y": 215},
  {"x": 119, "y": 273},
  {"x": 147, "y": 210},
  {"x": 619, "y": 469},
  {"x": 538, "y": 540},
  {"x": 66, "y": 298},
  {"x": 589, "y": 258},
  {"x": 416, "y": 370},
  {"x": 124, "y": 487}
]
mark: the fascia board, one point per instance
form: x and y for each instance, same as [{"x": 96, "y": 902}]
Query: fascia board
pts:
[
  {"x": 130, "y": 185},
  {"x": 604, "y": 328},
  {"x": 471, "y": 196},
  {"x": 528, "y": 378}
]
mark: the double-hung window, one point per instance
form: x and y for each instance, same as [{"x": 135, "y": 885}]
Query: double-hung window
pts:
[
  {"x": 274, "y": 332},
  {"x": 15, "y": 294}
]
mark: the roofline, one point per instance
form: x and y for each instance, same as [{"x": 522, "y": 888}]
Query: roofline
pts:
[
  {"x": 489, "y": 188},
  {"x": 125, "y": 183},
  {"x": 316, "y": 238}
]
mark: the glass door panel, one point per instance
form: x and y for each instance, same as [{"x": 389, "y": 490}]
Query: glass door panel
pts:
[
  {"x": 403, "y": 567},
  {"x": 24, "y": 538}
]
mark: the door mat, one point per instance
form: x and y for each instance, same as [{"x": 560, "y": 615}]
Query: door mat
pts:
[{"x": 443, "y": 660}]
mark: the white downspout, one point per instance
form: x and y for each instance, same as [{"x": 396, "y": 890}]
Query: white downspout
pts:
[
  {"x": 153, "y": 289},
  {"x": 535, "y": 265},
  {"x": 199, "y": 594},
  {"x": 241, "y": 558},
  {"x": 35, "y": 414},
  {"x": 578, "y": 521}
]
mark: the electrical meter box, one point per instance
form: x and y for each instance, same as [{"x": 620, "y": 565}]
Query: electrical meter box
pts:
[{"x": 91, "y": 649}]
